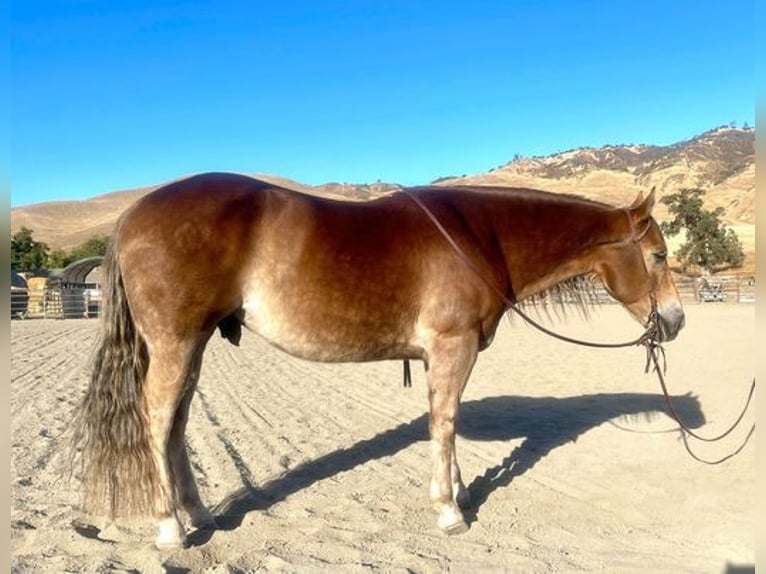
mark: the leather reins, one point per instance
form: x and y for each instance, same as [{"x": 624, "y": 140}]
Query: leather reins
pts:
[{"x": 654, "y": 349}]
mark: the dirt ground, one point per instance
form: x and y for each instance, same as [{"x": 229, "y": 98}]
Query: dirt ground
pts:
[{"x": 570, "y": 460}]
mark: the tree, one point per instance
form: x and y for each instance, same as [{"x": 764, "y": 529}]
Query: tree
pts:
[
  {"x": 96, "y": 245},
  {"x": 30, "y": 255},
  {"x": 709, "y": 244},
  {"x": 26, "y": 253},
  {"x": 58, "y": 259}
]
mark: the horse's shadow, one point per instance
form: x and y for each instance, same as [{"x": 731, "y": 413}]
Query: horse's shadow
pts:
[{"x": 544, "y": 423}]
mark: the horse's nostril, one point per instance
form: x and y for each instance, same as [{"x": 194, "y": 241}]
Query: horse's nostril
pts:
[{"x": 670, "y": 324}]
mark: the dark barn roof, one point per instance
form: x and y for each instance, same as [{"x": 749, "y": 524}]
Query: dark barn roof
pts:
[{"x": 79, "y": 272}]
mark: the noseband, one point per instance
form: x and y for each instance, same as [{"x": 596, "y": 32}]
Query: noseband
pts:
[{"x": 649, "y": 338}]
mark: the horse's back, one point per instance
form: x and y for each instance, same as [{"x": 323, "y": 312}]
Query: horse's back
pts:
[{"x": 310, "y": 274}]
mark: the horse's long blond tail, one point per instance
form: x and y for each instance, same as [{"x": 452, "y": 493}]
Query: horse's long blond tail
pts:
[{"x": 111, "y": 439}]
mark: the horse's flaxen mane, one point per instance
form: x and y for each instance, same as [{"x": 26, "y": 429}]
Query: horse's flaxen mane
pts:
[{"x": 581, "y": 293}]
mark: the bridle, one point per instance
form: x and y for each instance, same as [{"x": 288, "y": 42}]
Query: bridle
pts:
[
  {"x": 654, "y": 349},
  {"x": 648, "y": 334}
]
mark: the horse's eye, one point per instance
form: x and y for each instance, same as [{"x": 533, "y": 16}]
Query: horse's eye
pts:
[{"x": 661, "y": 256}]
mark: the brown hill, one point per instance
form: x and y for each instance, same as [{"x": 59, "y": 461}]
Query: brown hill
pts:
[{"x": 721, "y": 161}]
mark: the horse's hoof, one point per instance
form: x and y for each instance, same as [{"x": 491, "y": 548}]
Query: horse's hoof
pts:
[
  {"x": 170, "y": 544},
  {"x": 171, "y": 535},
  {"x": 451, "y": 522},
  {"x": 457, "y": 528}
]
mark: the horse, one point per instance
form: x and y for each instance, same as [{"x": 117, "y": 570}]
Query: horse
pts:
[{"x": 335, "y": 281}]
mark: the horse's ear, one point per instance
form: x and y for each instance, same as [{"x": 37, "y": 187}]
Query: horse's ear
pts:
[{"x": 642, "y": 206}]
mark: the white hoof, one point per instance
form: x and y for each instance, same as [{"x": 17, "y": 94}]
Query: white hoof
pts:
[
  {"x": 451, "y": 521},
  {"x": 170, "y": 535}
]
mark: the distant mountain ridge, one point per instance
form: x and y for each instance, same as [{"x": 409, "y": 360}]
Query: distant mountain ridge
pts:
[
  {"x": 720, "y": 153},
  {"x": 721, "y": 161}
]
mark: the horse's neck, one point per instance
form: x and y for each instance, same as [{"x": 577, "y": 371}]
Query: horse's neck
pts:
[
  {"x": 530, "y": 285},
  {"x": 548, "y": 240}
]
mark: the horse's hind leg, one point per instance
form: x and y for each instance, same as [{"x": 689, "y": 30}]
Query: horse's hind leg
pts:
[
  {"x": 450, "y": 362},
  {"x": 186, "y": 486},
  {"x": 165, "y": 386}
]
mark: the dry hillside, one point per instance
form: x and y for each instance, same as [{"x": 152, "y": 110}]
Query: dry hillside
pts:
[{"x": 721, "y": 161}]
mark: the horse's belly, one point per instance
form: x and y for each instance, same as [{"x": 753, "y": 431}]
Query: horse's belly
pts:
[{"x": 316, "y": 333}]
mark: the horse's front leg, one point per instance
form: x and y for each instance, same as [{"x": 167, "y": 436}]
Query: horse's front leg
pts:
[
  {"x": 460, "y": 493},
  {"x": 450, "y": 362}
]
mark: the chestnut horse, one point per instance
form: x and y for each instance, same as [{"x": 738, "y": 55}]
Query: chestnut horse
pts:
[{"x": 328, "y": 280}]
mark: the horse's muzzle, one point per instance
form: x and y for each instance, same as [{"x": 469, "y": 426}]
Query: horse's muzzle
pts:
[{"x": 669, "y": 323}]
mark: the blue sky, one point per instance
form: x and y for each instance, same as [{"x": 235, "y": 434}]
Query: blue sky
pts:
[{"x": 115, "y": 95}]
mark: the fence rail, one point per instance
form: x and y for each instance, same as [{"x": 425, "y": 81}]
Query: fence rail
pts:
[
  {"x": 56, "y": 303},
  {"x": 731, "y": 288}
]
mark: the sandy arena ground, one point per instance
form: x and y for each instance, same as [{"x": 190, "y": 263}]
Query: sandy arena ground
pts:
[{"x": 570, "y": 460}]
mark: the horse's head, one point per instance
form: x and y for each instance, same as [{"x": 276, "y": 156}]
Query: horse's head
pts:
[{"x": 635, "y": 272}]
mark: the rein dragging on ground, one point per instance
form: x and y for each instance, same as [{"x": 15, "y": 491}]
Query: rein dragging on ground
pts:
[
  {"x": 654, "y": 349},
  {"x": 651, "y": 357}
]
